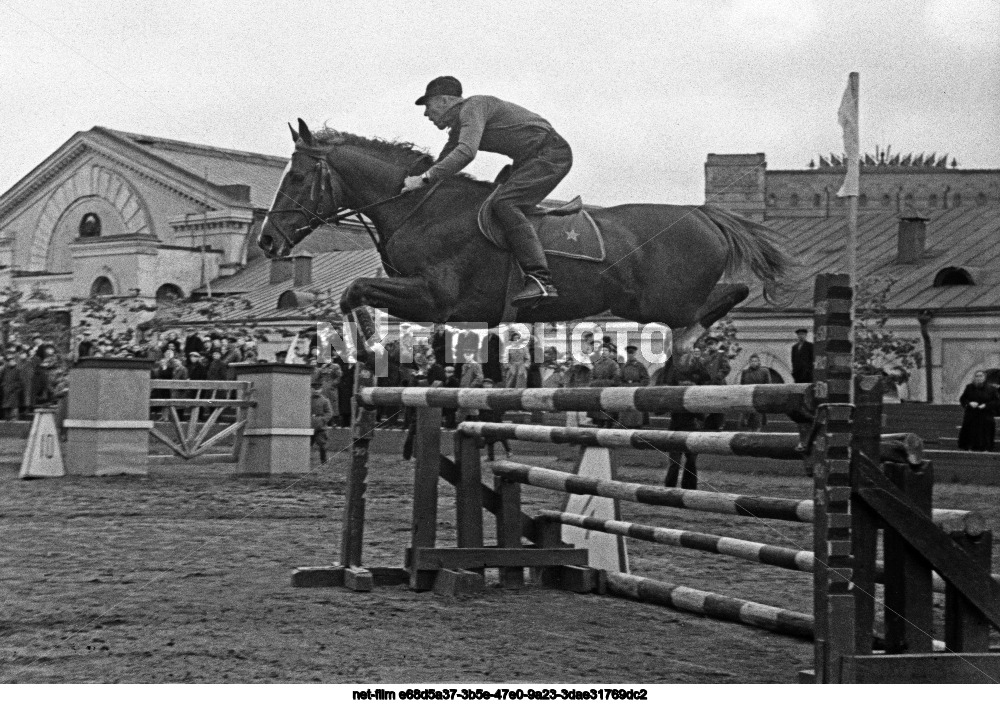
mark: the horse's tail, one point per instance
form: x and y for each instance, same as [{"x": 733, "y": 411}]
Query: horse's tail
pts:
[{"x": 751, "y": 246}]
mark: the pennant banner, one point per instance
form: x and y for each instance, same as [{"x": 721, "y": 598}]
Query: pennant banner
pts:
[{"x": 847, "y": 116}]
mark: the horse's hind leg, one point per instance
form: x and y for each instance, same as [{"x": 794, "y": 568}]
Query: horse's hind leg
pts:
[{"x": 722, "y": 299}]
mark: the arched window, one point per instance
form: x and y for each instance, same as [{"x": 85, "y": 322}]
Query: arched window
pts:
[
  {"x": 932, "y": 200},
  {"x": 90, "y": 225},
  {"x": 956, "y": 201},
  {"x": 168, "y": 292},
  {"x": 886, "y": 201},
  {"x": 862, "y": 201},
  {"x": 102, "y": 286},
  {"x": 981, "y": 198},
  {"x": 953, "y": 276},
  {"x": 793, "y": 200},
  {"x": 908, "y": 199},
  {"x": 817, "y": 200},
  {"x": 772, "y": 199}
]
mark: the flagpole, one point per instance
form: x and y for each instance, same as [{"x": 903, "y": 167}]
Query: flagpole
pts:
[{"x": 852, "y": 200}]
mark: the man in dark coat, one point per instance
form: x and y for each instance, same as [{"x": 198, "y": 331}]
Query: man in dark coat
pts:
[
  {"x": 689, "y": 370},
  {"x": 981, "y": 402},
  {"x": 802, "y": 358},
  {"x": 541, "y": 157}
]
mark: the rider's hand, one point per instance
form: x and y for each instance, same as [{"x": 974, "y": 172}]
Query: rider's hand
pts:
[{"x": 411, "y": 183}]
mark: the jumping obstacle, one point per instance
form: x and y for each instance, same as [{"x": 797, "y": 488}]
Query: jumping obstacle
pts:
[{"x": 865, "y": 484}]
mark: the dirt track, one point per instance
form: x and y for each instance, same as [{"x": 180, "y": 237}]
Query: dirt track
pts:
[{"x": 183, "y": 576}]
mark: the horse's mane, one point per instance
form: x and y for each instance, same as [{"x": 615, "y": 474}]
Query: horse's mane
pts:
[{"x": 402, "y": 153}]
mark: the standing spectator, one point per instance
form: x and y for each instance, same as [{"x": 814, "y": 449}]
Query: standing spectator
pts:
[
  {"x": 427, "y": 374},
  {"x": 472, "y": 374},
  {"x": 330, "y": 374},
  {"x": 193, "y": 343},
  {"x": 981, "y": 402},
  {"x": 489, "y": 357},
  {"x": 450, "y": 382},
  {"x": 322, "y": 413},
  {"x": 197, "y": 369},
  {"x": 755, "y": 374},
  {"x": 802, "y": 358},
  {"x": 606, "y": 372},
  {"x": 551, "y": 373},
  {"x": 633, "y": 374},
  {"x": 716, "y": 365},
  {"x": 10, "y": 387},
  {"x": 42, "y": 381},
  {"x": 216, "y": 368},
  {"x": 687, "y": 371},
  {"x": 26, "y": 368},
  {"x": 488, "y": 415},
  {"x": 515, "y": 375}
]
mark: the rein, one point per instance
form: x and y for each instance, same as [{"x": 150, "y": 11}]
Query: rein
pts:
[{"x": 322, "y": 185}]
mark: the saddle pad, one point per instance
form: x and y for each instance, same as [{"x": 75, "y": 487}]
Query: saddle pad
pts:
[{"x": 574, "y": 236}]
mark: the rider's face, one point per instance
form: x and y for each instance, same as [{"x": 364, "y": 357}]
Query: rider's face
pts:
[{"x": 436, "y": 108}]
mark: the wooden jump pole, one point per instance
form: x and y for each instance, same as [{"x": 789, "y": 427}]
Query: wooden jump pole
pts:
[
  {"x": 765, "y": 398},
  {"x": 751, "y": 551},
  {"x": 780, "y": 446}
]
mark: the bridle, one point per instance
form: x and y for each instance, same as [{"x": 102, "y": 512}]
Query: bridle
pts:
[{"x": 322, "y": 185}]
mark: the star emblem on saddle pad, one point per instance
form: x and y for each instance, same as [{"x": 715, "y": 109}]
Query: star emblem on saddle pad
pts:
[{"x": 572, "y": 235}]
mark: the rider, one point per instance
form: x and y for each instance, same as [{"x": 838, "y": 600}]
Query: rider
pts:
[{"x": 541, "y": 159}]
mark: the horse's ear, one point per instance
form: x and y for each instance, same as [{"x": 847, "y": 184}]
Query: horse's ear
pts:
[
  {"x": 295, "y": 135},
  {"x": 304, "y": 132}
]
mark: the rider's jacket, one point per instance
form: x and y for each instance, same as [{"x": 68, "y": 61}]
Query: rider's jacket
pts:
[{"x": 493, "y": 125}]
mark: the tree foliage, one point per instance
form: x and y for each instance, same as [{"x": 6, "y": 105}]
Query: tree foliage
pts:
[{"x": 877, "y": 348}]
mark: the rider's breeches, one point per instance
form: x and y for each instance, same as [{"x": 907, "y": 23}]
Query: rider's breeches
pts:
[{"x": 529, "y": 183}]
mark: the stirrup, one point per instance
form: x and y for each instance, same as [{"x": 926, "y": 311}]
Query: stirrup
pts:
[{"x": 534, "y": 292}]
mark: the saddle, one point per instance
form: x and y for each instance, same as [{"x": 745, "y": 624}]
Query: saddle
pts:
[{"x": 564, "y": 231}]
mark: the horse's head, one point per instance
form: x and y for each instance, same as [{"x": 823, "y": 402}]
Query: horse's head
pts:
[{"x": 309, "y": 194}]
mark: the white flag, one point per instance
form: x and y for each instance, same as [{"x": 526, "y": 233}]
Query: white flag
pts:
[{"x": 847, "y": 116}]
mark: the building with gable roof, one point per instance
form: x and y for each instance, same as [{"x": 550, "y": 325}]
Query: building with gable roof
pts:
[
  {"x": 115, "y": 213},
  {"x": 930, "y": 227}
]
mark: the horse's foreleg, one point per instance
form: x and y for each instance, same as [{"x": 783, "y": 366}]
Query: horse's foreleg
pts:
[
  {"x": 408, "y": 298},
  {"x": 722, "y": 299}
]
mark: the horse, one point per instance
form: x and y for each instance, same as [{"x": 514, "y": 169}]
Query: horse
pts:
[{"x": 663, "y": 262}]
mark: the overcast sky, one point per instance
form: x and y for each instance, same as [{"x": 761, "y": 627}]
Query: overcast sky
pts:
[{"x": 643, "y": 91}]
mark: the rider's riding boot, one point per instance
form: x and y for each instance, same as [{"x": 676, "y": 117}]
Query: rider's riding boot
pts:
[{"x": 538, "y": 287}]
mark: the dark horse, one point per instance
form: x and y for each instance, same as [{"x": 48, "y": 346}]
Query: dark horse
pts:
[{"x": 663, "y": 262}]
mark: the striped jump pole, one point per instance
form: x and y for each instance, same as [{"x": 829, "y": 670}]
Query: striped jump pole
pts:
[
  {"x": 751, "y": 551},
  {"x": 801, "y": 560},
  {"x": 760, "y": 398},
  {"x": 709, "y": 604},
  {"x": 779, "y": 446},
  {"x": 800, "y": 511}
]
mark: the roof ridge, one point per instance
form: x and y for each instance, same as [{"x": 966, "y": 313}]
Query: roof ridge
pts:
[{"x": 179, "y": 145}]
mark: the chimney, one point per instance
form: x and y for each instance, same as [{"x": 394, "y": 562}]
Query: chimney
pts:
[
  {"x": 281, "y": 270},
  {"x": 912, "y": 238},
  {"x": 303, "y": 270}
]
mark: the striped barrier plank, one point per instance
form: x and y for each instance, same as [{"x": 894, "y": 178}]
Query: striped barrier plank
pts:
[
  {"x": 801, "y": 560},
  {"x": 787, "y": 558},
  {"x": 717, "y": 606},
  {"x": 800, "y": 511},
  {"x": 762, "y": 398},
  {"x": 734, "y": 504},
  {"x": 778, "y": 446}
]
